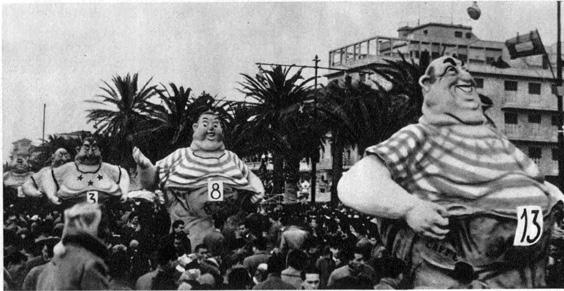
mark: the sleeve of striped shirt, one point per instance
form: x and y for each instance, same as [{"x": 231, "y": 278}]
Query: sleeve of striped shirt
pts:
[
  {"x": 164, "y": 166},
  {"x": 397, "y": 151}
]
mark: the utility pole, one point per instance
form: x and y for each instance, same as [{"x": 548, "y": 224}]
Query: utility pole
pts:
[
  {"x": 43, "y": 132},
  {"x": 559, "y": 96},
  {"x": 314, "y": 158}
]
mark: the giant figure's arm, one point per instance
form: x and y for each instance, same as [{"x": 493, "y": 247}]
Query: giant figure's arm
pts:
[
  {"x": 257, "y": 185},
  {"x": 29, "y": 188},
  {"x": 124, "y": 184},
  {"x": 369, "y": 188},
  {"x": 145, "y": 169},
  {"x": 50, "y": 186}
]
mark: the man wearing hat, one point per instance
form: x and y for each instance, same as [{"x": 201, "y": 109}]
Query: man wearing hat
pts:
[{"x": 78, "y": 261}]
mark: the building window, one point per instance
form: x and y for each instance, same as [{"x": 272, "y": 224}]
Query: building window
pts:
[
  {"x": 463, "y": 58},
  {"x": 435, "y": 55},
  {"x": 555, "y": 154},
  {"x": 510, "y": 118},
  {"x": 479, "y": 83},
  {"x": 534, "y": 118},
  {"x": 554, "y": 120},
  {"x": 468, "y": 35},
  {"x": 490, "y": 60},
  {"x": 535, "y": 153},
  {"x": 510, "y": 86},
  {"x": 535, "y": 88},
  {"x": 458, "y": 34},
  {"x": 425, "y": 32},
  {"x": 416, "y": 54}
]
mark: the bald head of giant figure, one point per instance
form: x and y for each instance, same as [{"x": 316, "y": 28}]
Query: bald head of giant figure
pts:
[{"x": 449, "y": 93}]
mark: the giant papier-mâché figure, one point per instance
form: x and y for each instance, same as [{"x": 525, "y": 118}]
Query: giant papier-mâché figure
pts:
[
  {"x": 33, "y": 186},
  {"x": 86, "y": 179},
  {"x": 201, "y": 180},
  {"x": 458, "y": 201}
]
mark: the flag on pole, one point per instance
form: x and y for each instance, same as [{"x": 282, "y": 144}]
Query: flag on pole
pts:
[{"x": 525, "y": 45}]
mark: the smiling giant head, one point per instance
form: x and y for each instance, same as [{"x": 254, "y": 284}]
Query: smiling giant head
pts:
[
  {"x": 208, "y": 133},
  {"x": 450, "y": 93}
]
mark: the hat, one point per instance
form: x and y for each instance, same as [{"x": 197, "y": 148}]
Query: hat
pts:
[
  {"x": 83, "y": 217},
  {"x": 42, "y": 239}
]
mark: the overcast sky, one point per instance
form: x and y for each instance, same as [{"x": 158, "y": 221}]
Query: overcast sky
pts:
[{"x": 59, "y": 54}]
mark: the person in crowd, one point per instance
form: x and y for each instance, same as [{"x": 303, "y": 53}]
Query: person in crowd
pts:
[
  {"x": 392, "y": 274},
  {"x": 14, "y": 267},
  {"x": 451, "y": 176},
  {"x": 35, "y": 266},
  {"x": 192, "y": 178},
  {"x": 163, "y": 277},
  {"x": 260, "y": 274},
  {"x": 325, "y": 264},
  {"x": 118, "y": 264},
  {"x": 78, "y": 260},
  {"x": 201, "y": 252},
  {"x": 273, "y": 281},
  {"x": 181, "y": 246},
  {"x": 86, "y": 179},
  {"x": 178, "y": 227},
  {"x": 239, "y": 279},
  {"x": 296, "y": 261},
  {"x": 356, "y": 267},
  {"x": 311, "y": 278},
  {"x": 293, "y": 236},
  {"x": 33, "y": 186},
  {"x": 258, "y": 257}
]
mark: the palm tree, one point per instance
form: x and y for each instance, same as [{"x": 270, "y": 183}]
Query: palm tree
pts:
[
  {"x": 127, "y": 105},
  {"x": 278, "y": 114},
  {"x": 365, "y": 114}
]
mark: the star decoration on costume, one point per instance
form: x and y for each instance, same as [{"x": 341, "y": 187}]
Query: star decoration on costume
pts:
[
  {"x": 90, "y": 183},
  {"x": 100, "y": 177},
  {"x": 80, "y": 178}
]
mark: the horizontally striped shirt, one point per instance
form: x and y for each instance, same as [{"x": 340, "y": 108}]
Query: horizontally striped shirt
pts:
[
  {"x": 472, "y": 168},
  {"x": 185, "y": 170}
]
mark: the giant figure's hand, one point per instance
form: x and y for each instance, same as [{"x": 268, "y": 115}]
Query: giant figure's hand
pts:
[
  {"x": 54, "y": 199},
  {"x": 257, "y": 197},
  {"x": 140, "y": 159},
  {"x": 428, "y": 219}
]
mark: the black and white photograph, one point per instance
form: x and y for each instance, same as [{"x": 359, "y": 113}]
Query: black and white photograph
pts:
[{"x": 237, "y": 145}]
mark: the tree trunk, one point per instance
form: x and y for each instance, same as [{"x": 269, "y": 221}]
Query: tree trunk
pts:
[
  {"x": 292, "y": 171},
  {"x": 337, "y": 149},
  {"x": 277, "y": 173}
]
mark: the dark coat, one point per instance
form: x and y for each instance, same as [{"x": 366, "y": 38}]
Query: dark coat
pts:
[{"x": 79, "y": 265}]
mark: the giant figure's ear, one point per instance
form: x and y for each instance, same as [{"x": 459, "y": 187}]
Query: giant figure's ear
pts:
[
  {"x": 194, "y": 126},
  {"x": 78, "y": 149},
  {"x": 425, "y": 83}
]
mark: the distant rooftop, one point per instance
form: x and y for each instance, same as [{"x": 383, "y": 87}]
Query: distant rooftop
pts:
[{"x": 434, "y": 24}]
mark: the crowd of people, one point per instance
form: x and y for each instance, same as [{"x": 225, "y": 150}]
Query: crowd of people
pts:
[{"x": 299, "y": 246}]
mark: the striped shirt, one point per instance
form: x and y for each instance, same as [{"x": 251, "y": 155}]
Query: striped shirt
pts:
[
  {"x": 470, "y": 168},
  {"x": 183, "y": 169}
]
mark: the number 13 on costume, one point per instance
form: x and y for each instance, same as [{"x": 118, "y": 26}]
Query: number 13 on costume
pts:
[
  {"x": 529, "y": 225},
  {"x": 215, "y": 190}
]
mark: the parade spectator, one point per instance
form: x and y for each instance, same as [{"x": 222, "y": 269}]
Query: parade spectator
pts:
[
  {"x": 355, "y": 267},
  {"x": 311, "y": 279},
  {"x": 293, "y": 236},
  {"x": 118, "y": 264},
  {"x": 325, "y": 264},
  {"x": 392, "y": 274},
  {"x": 162, "y": 278},
  {"x": 260, "y": 274},
  {"x": 78, "y": 261},
  {"x": 296, "y": 262},
  {"x": 239, "y": 279},
  {"x": 258, "y": 257},
  {"x": 273, "y": 281},
  {"x": 14, "y": 267},
  {"x": 35, "y": 266}
]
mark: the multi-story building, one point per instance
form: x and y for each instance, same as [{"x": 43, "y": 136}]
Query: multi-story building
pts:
[{"x": 524, "y": 107}]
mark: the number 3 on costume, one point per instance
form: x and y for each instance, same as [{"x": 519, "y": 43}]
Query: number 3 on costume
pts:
[
  {"x": 529, "y": 225},
  {"x": 215, "y": 190},
  {"x": 92, "y": 197}
]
